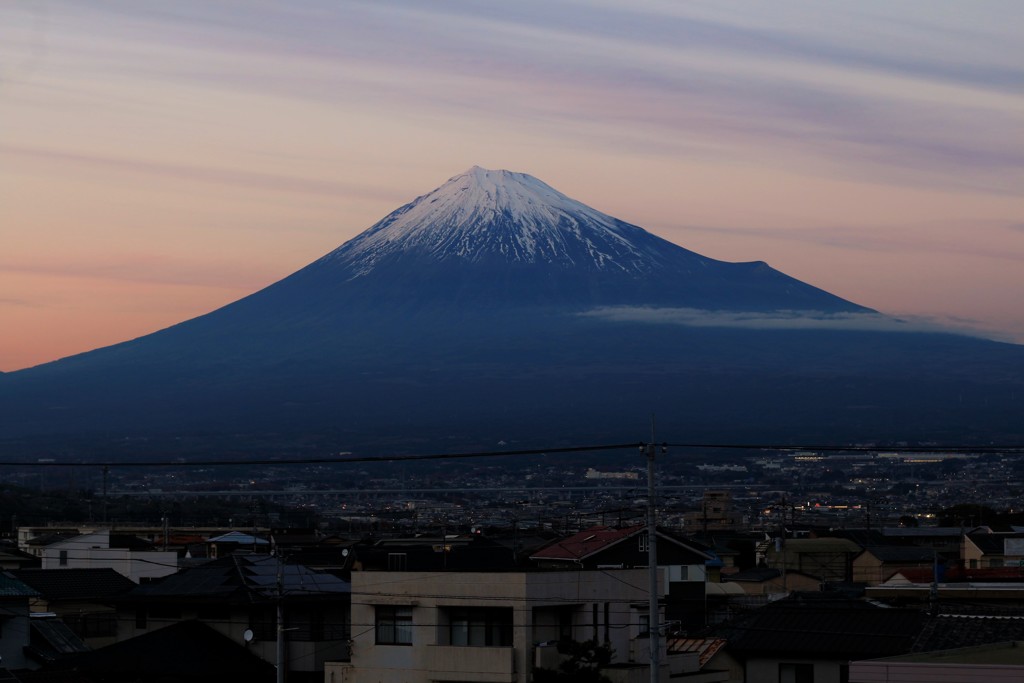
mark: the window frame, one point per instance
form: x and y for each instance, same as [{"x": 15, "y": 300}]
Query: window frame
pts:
[
  {"x": 472, "y": 626},
  {"x": 392, "y": 624}
]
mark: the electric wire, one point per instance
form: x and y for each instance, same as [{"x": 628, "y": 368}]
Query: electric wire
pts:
[{"x": 561, "y": 450}]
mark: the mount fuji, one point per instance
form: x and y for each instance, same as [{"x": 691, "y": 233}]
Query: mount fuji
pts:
[{"x": 496, "y": 308}]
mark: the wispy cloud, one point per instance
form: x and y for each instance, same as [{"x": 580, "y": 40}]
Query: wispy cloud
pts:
[
  {"x": 206, "y": 174},
  {"x": 908, "y": 239},
  {"x": 21, "y": 303},
  {"x": 149, "y": 269},
  {"x": 782, "y": 320},
  {"x": 928, "y": 103}
]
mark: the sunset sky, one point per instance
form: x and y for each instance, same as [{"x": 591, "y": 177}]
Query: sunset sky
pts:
[{"x": 161, "y": 159}]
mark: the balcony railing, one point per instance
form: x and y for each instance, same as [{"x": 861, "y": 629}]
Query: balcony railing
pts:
[{"x": 484, "y": 664}]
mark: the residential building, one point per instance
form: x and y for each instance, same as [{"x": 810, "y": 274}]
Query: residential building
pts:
[
  {"x": 827, "y": 559},
  {"x": 981, "y": 549},
  {"x": 238, "y": 596},
  {"x": 996, "y": 663},
  {"x": 82, "y": 598},
  {"x": 127, "y": 555},
  {"x": 716, "y": 513},
  {"x": 772, "y": 582},
  {"x": 813, "y": 638},
  {"x": 875, "y": 565},
  {"x": 493, "y": 627},
  {"x": 15, "y": 633},
  {"x": 683, "y": 562}
]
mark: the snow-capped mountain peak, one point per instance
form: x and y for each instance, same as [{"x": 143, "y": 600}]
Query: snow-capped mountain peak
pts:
[{"x": 483, "y": 215}]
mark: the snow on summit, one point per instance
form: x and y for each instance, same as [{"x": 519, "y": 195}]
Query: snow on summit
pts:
[{"x": 483, "y": 215}]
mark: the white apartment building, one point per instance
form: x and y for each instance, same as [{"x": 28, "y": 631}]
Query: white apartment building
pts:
[
  {"x": 98, "y": 549},
  {"x": 490, "y": 627}
]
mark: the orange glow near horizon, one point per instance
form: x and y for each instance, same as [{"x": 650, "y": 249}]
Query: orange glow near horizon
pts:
[{"x": 158, "y": 162}]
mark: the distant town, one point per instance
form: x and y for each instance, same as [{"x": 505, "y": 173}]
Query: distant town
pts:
[
  {"x": 838, "y": 489},
  {"x": 772, "y": 565}
]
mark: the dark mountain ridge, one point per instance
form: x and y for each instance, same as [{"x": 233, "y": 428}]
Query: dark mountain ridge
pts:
[{"x": 468, "y": 315}]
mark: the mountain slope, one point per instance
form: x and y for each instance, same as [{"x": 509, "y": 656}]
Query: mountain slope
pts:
[
  {"x": 496, "y": 238},
  {"x": 469, "y": 313}
]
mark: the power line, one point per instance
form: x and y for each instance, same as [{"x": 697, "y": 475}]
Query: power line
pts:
[
  {"x": 967, "y": 450},
  {"x": 342, "y": 460},
  {"x": 335, "y": 460}
]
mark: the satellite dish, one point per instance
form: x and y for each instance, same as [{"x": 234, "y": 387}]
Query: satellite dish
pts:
[{"x": 247, "y": 635}]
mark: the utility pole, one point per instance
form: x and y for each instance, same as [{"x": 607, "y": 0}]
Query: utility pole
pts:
[
  {"x": 653, "y": 620},
  {"x": 106, "y": 471},
  {"x": 280, "y": 619}
]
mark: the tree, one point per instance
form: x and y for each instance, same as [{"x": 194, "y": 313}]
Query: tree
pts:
[{"x": 967, "y": 514}]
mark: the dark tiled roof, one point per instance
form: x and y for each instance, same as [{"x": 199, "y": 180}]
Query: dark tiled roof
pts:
[
  {"x": 988, "y": 544},
  {"x": 187, "y": 650},
  {"x": 476, "y": 554},
  {"x": 755, "y": 575},
  {"x": 961, "y": 574},
  {"x": 10, "y": 587},
  {"x": 48, "y": 539},
  {"x": 129, "y": 542},
  {"x": 821, "y": 630},
  {"x": 945, "y": 632},
  {"x": 242, "y": 578},
  {"x": 992, "y": 544},
  {"x": 75, "y": 584},
  {"x": 52, "y": 641},
  {"x": 22, "y": 558},
  {"x": 861, "y": 537},
  {"x": 897, "y": 553},
  {"x": 933, "y": 532}
]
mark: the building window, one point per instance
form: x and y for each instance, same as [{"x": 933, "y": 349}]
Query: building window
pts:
[
  {"x": 92, "y": 624},
  {"x": 480, "y": 626},
  {"x": 796, "y": 673},
  {"x": 643, "y": 542},
  {"x": 394, "y": 625},
  {"x": 63, "y": 558},
  {"x": 398, "y": 562}
]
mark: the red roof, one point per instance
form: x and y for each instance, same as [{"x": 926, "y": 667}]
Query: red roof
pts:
[
  {"x": 706, "y": 648},
  {"x": 585, "y": 543}
]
